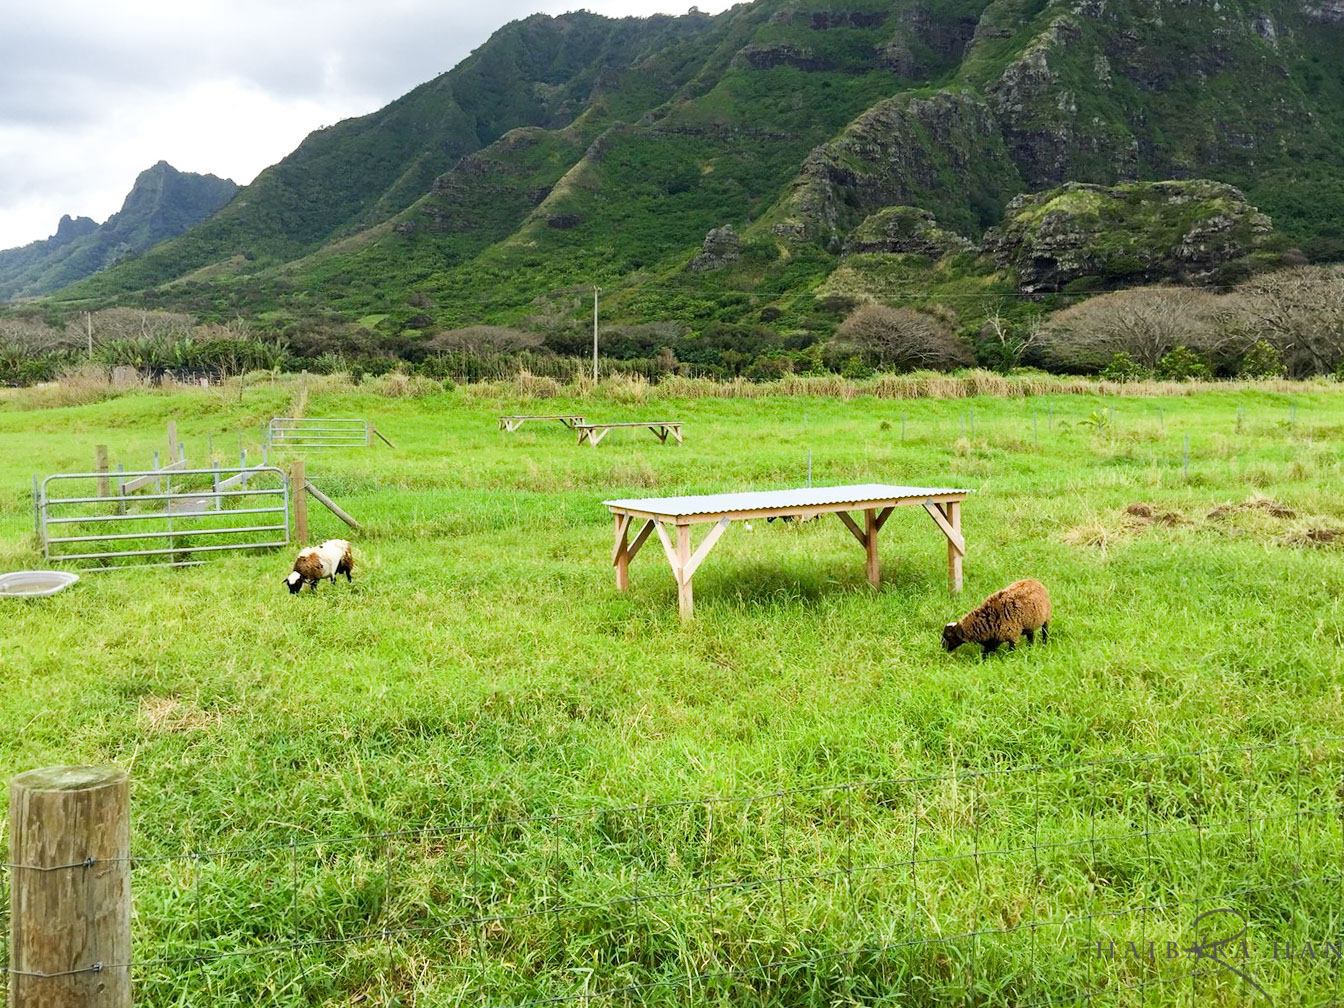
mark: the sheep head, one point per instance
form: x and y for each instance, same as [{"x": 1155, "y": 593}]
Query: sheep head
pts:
[{"x": 953, "y": 636}]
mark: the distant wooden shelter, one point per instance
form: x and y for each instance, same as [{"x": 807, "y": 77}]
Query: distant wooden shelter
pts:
[
  {"x": 593, "y": 433},
  {"x": 513, "y": 421}
]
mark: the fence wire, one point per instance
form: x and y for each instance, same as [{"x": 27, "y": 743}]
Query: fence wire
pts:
[{"x": 1148, "y": 878}]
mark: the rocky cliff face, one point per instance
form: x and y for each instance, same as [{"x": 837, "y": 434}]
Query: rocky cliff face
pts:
[
  {"x": 944, "y": 152},
  {"x": 1096, "y": 92},
  {"x": 905, "y": 230},
  {"x": 722, "y": 247},
  {"x": 1139, "y": 232}
]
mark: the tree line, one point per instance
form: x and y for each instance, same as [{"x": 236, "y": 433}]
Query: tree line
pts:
[{"x": 1289, "y": 322}]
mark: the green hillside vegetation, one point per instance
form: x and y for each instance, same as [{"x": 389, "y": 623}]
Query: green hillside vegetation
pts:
[{"x": 579, "y": 151}]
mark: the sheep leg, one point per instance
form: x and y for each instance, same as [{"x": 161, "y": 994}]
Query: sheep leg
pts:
[
  {"x": 1030, "y": 635},
  {"x": 989, "y": 648},
  {"x": 1045, "y": 632}
]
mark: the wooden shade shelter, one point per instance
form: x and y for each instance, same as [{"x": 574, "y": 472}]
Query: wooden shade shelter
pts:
[{"x": 876, "y": 501}]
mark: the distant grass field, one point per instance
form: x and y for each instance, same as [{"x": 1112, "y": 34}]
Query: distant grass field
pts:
[{"x": 481, "y": 775}]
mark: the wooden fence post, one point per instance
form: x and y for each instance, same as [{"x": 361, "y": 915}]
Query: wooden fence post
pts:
[
  {"x": 70, "y": 895},
  {"x": 297, "y": 482},
  {"x": 172, "y": 441},
  {"x": 100, "y": 464}
]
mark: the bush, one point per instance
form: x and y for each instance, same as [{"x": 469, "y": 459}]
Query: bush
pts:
[
  {"x": 897, "y": 339},
  {"x": 1146, "y": 323},
  {"x": 1124, "y": 368},
  {"x": 1181, "y": 364},
  {"x": 1263, "y": 360}
]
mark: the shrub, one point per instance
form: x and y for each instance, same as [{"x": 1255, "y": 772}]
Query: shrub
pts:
[
  {"x": 1263, "y": 360},
  {"x": 1123, "y": 367},
  {"x": 1146, "y": 323},
  {"x": 1300, "y": 312},
  {"x": 1181, "y": 364},
  {"x": 897, "y": 339}
]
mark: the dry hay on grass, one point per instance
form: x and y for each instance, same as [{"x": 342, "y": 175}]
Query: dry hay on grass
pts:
[
  {"x": 1095, "y": 534},
  {"x": 1313, "y": 536},
  {"x": 1268, "y": 505},
  {"x": 163, "y": 715},
  {"x": 1261, "y": 518},
  {"x": 1141, "y": 514}
]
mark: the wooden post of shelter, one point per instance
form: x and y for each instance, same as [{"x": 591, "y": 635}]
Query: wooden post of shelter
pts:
[
  {"x": 685, "y": 601},
  {"x": 297, "y": 483},
  {"x": 70, "y": 927},
  {"x": 621, "y": 554},
  {"x": 956, "y": 546},
  {"x": 870, "y": 529},
  {"x": 100, "y": 465}
]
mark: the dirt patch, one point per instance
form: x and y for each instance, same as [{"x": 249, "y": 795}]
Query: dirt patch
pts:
[
  {"x": 1313, "y": 536},
  {"x": 1261, "y": 518},
  {"x": 1141, "y": 513},
  {"x": 1268, "y": 505}
]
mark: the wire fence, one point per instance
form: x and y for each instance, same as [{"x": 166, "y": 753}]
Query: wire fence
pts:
[{"x": 1192, "y": 875}]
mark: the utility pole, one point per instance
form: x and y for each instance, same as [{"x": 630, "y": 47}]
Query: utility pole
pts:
[
  {"x": 88, "y": 323},
  {"x": 595, "y": 335}
]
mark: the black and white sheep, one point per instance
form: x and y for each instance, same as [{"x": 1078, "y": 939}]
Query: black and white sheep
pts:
[
  {"x": 317, "y": 562},
  {"x": 1009, "y": 614}
]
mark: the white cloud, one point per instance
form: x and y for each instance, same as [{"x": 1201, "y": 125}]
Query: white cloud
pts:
[{"x": 93, "y": 94}]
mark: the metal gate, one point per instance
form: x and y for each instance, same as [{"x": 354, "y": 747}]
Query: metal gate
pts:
[
  {"x": 303, "y": 433},
  {"x": 100, "y": 516}
]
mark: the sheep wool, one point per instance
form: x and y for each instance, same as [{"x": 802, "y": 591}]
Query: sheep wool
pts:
[
  {"x": 1003, "y": 618},
  {"x": 314, "y": 563}
]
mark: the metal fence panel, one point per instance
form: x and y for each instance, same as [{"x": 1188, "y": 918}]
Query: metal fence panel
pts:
[
  {"x": 304, "y": 433},
  {"x": 190, "y": 512}
]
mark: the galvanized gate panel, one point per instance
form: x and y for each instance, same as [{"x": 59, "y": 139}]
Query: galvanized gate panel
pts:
[
  {"x": 303, "y": 433},
  {"x": 191, "y": 511}
]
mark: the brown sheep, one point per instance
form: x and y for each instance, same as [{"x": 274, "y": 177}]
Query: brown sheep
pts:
[{"x": 1010, "y": 613}]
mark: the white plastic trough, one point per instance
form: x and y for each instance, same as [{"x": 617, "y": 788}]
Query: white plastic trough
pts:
[{"x": 35, "y": 584}]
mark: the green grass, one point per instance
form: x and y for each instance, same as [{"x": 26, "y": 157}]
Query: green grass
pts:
[{"x": 482, "y": 727}]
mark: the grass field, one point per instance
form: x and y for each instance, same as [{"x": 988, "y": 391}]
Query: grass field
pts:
[{"x": 481, "y": 775}]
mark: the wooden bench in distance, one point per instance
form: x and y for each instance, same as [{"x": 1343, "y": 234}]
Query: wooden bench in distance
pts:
[
  {"x": 512, "y": 423},
  {"x": 595, "y": 432}
]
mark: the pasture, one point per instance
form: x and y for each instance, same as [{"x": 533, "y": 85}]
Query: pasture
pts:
[{"x": 480, "y": 775}]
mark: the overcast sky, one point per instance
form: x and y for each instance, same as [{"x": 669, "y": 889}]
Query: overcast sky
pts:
[{"x": 93, "y": 93}]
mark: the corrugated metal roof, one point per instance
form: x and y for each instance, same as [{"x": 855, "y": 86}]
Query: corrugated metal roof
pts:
[{"x": 755, "y": 500}]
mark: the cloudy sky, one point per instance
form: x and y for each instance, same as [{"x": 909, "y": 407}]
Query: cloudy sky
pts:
[{"x": 91, "y": 94}]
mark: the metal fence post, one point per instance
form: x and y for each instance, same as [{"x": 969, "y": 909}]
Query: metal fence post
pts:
[{"x": 70, "y": 928}]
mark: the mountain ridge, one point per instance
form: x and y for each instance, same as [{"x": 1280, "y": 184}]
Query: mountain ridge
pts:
[
  {"x": 581, "y": 150},
  {"x": 162, "y": 203}
]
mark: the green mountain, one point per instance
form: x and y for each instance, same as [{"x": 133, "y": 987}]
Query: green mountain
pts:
[
  {"x": 163, "y": 203},
  {"x": 579, "y": 150}
]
